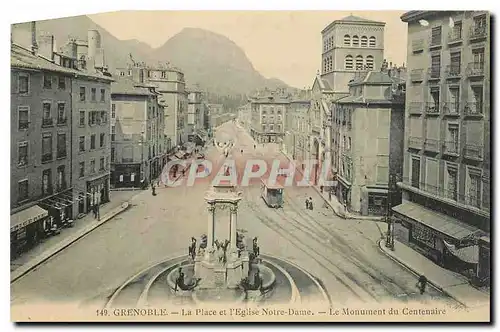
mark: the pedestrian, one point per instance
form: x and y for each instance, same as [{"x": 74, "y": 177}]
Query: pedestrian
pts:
[
  {"x": 422, "y": 282},
  {"x": 330, "y": 194},
  {"x": 307, "y": 203},
  {"x": 98, "y": 212},
  {"x": 254, "y": 146},
  {"x": 94, "y": 211},
  {"x": 310, "y": 203},
  {"x": 241, "y": 151}
]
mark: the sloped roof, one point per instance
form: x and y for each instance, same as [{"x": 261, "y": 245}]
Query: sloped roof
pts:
[
  {"x": 377, "y": 77},
  {"x": 126, "y": 86},
  {"x": 22, "y": 58}
]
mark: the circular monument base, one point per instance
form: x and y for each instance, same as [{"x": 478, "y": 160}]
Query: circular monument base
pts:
[{"x": 218, "y": 295}]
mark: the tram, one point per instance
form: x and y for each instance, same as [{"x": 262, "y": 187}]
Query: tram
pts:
[{"x": 272, "y": 194}]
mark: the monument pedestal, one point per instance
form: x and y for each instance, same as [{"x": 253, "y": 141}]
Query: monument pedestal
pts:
[{"x": 214, "y": 274}]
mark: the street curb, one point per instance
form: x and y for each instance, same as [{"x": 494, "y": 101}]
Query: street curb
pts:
[
  {"x": 415, "y": 272},
  {"x": 26, "y": 268}
]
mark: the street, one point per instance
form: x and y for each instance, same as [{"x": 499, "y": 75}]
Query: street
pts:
[{"x": 342, "y": 254}]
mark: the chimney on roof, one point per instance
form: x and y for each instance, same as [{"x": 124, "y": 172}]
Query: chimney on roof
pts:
[
  {"x": 46, "y": 46},
  {"x": 34, "y": 45}
]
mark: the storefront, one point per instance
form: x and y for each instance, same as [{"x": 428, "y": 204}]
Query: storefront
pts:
[
  {"x": 126, "y": 176},
  {"x": 59, "y": 206},
  {"x": 343, "y": 190},
  {"x": 97, "y": 191},
  {"x": 441, "y": 238},
  {"x": 373, "y": 201},
  {"x": 27, "y": 228}
]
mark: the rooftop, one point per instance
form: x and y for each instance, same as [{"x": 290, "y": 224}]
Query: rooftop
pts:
[
  {"x": 126, "y": 86},
  {"x": 23, "y": 58},
  {"x": 352, "y": 19}
]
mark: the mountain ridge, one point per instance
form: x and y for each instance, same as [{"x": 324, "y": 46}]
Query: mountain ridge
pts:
[{"x": 209, "y": 59}]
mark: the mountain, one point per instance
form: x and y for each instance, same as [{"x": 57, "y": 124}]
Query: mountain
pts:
[{"x": 211, "y": 60}]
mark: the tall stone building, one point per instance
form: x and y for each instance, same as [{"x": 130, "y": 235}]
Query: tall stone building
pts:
[
  {"x": 368, "y": 130},
  {"x": 47, "y": 117},
  {"x": 170, "y": 83},
  {"x": 445, "y": 213},
  {"x": 350, "y": 44},
  {"x": 268, "y": 113},
  {"x": 137, "y": 126}
]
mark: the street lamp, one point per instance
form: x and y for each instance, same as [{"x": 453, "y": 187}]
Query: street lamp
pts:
[{"x": 389, "y": 243}]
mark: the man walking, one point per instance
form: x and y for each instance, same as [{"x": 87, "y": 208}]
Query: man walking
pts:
[
  {"x": 97, "y": 212},
  {"x": 422, "y": 282},
  {"x": 310, "y": 203}
]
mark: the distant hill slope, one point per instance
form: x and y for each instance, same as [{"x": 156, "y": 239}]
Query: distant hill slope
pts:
[{"x": 211, "y": 60}]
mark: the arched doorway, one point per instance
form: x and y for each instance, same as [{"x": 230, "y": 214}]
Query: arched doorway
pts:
[{"x": 315, "y": 158}]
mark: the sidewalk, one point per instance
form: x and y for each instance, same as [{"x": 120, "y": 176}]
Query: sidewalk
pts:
[
  {"x": 54, "y": 244},
  {"x": 453, "y": 284},
  {"x": 334, "y": 203}
]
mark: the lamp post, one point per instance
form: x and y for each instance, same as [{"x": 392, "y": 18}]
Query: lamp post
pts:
[{"x": 389, "y": 243}]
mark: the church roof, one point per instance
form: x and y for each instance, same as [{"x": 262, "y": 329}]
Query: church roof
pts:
[{"x": 352, "y": 19}]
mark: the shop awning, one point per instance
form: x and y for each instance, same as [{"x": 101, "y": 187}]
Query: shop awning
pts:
[
  {"x": 468, "y": 254},
  {"x": 25, "y": 217},
  {"x": 179, "y": 155},
  {"x": 437, "y": 221}
]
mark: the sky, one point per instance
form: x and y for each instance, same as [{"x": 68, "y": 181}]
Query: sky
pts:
[{"x": 281, "y": 44}]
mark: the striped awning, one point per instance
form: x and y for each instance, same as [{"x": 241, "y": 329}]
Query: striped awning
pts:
[{"x": 468, "y": 254}]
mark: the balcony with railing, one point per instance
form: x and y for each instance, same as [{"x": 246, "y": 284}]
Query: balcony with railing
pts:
[
  {"x": 453, "y": 71},
  {"x": 62, "y": 121},
  {"x": 455, "y": 37},
  {"x": 451, "y": 148},
  {"x": 432, "y": 108},
  {"x": 451, "y": 108},
  {"x": 47, "y": 122},
  {"x": 415, "y": 142},
  {"x": 46, "y": 157},
  {"x": 415, "y": 107},
  {"x": 433, "y": 73},
  {"x": 431, "y": 145},
  {"x": 478, "y": 32},
  {"x": 61, "y": 154},
  {"x": 473, "y": 152},
  {"x": 417, "y": 45},
  {"x": 475, "y": 69},
  {"x": 24, "y": 124},
  {"x": 417, "y": 75},
  {"x": 473, "y": 108}
]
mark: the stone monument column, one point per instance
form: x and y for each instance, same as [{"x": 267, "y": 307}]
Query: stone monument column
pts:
[
  {"x": 211, "y": 226},
  {"x": 232, "y": 226}
]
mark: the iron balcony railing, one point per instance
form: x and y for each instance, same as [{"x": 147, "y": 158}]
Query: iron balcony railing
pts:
[
  {"x": 432, "y": 108},
  {"x": 478, "y": 32},
  {"x": 24, "y": 124},
  {"x": 473, "y": 108},
  {"x": 475, "y": 69},
  {"x": 62, "y": 120},
  {"x": 415, "y": 142},
  {"x": 47, "y": 122},
  {"x": 453, "y": 71},
  {"x": 415, "y": 107},
  {"x": 434, "y": 73},
  {"x": 431, "y": 145},
  {"x": 451, "y": 108},
  {"x": 451, "y": 194},
  {"x": 417, "y": 45},
  {"x": 473, "y": 151},
  {"x": 46, "y": 157},
  {"x": 417, "y": 75},
  {"x": 455, "y": 36},
  {"x": 451, "y": 147}
]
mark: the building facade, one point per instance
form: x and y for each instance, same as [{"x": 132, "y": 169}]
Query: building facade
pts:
[
  {"x": 368, "y": 130},
  {"x": 268, "y": 116},
  {"x": 137, "y": 127},
  {"x": 170, "y": 83},
  {"x": 196, "y": 117},
  {"x": 445, "y": 212},
  {"x": 45, "y": 188},
  {"x": 296, "y": 138}
]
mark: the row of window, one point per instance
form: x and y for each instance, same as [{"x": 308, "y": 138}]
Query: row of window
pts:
[
  {"x": 47, "y": 150},
  {"x": 81, "y": 142},
  {"x": 359, "y": 63},
  {"x": 93, "y": 94},
  {"x": 449, "y": 189},
  {"x": 48, "y": 82},
  {"x": 271, "y": 127},
  {"x": 271, "y": 117},
  {"x": 354, "y": 41},
  {"x": 479, "y": 28},
  {"x": 47, "y": 183}
]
